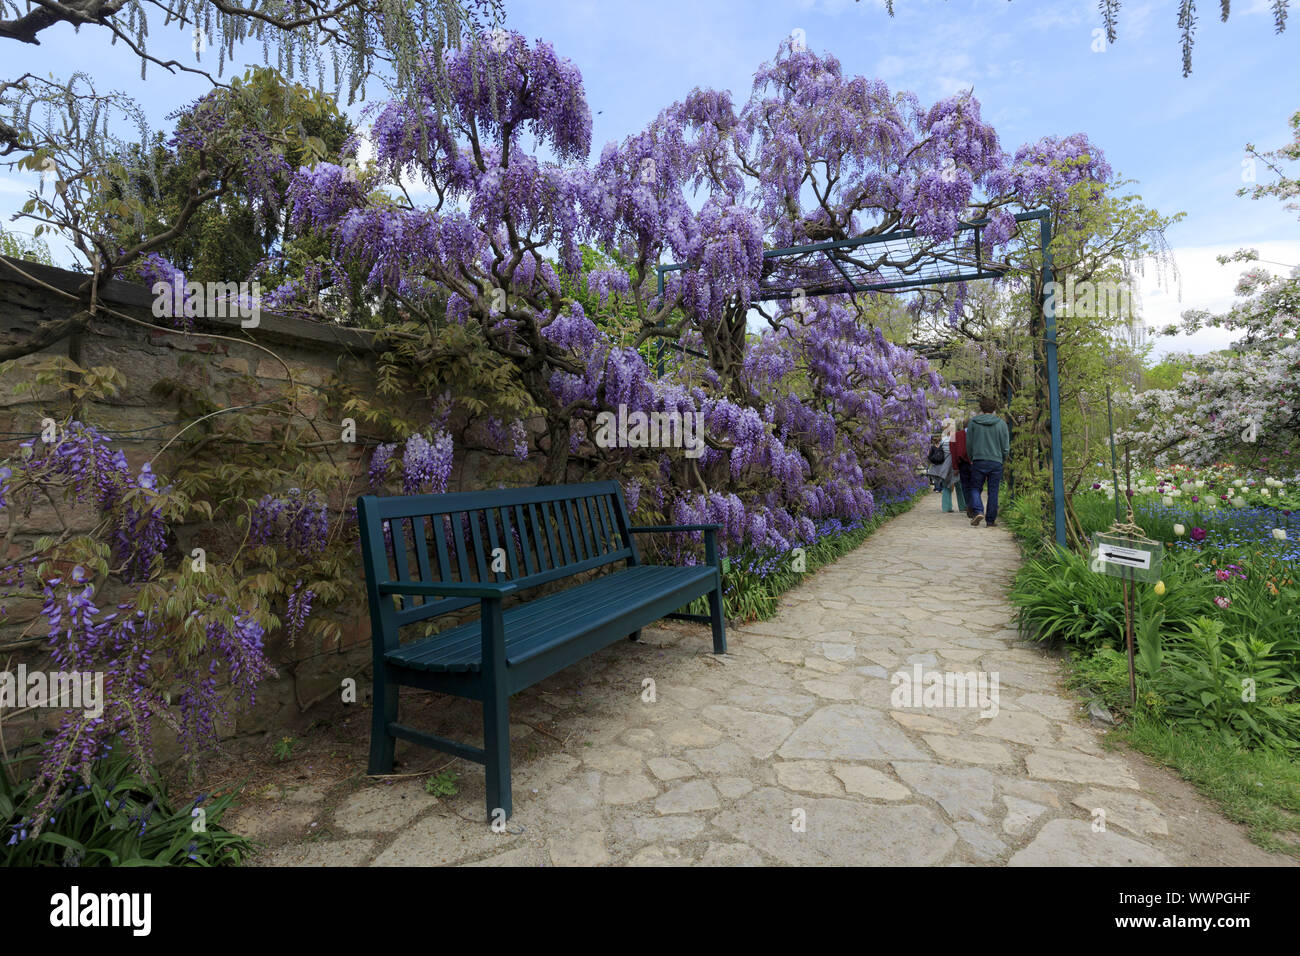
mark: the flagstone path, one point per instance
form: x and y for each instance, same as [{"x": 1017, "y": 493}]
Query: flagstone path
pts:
[{"x": 789, "y": 750}]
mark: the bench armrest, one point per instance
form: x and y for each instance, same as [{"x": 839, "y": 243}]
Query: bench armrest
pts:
[
  {"x": 710, "y": 537},
  {"x": 478, "y": 589},
  {"x": 661, "y": 528}
]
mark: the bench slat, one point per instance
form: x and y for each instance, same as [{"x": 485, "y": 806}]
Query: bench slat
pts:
[
  {"x": 575, "y": 531},
  {"x": 421, "y": 549},
  {"x": 545, "y": 550},
  {"x": 556, "y": 509},
  {"x": 588, "y": 508},
  {"x": 397, "y": 534},
  {"x": 494, "y": 542},
  {"x": 441, "y": 528},
  {"x": 511, "y": 541},
  {"x": 588, "y": 530},
  {"x": 525, "y": 544},
  {"x": 606, "y": 528},
  {"x": 476, "y": 536},
  {"x": 458, "y": 540}
]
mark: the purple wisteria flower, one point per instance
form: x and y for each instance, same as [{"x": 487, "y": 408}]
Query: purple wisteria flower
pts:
[{"x": 426, "y": 466}]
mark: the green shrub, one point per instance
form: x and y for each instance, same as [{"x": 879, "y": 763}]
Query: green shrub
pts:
[
  {"x": 118, "y": 819},
  {"x": 1200, "y": 681},
  {"x": 1232, "y": 686},
  {"x": 1023, "y": 515}
]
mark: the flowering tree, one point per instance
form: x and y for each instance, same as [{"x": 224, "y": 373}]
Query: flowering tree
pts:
[
  {"x": 802, "y": 417},
  {"x": 95, "y": 187},
  {"x": 1242, "y": 400}
]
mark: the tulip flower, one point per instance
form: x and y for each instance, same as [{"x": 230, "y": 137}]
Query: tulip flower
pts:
[
  {"x": 1179, "y": 530},
  {"x": 1279, "y": 533},
  {"x": 1160, "y": 587},
  {"x": 1198, "y": 534}
]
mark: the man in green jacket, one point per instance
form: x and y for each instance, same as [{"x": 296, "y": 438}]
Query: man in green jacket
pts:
[{"x": 987, "y": 443}]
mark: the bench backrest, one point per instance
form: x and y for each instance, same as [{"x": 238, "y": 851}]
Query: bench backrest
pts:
[{"x": 530, "y": 536}]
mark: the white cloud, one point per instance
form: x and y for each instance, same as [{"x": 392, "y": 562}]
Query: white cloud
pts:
[{"x": 1202, "y": 284}]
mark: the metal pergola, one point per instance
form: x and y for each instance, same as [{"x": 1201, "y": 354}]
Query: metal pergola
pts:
[{"x": 900, "y": 260}]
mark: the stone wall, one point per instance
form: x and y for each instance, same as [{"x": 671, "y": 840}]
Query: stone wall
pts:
[{"x": 228, "y": 366}]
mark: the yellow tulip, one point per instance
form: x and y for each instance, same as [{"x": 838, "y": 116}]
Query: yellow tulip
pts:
[{"x": 1160, "y": 587}]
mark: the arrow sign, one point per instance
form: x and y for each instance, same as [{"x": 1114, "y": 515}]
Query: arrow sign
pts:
[{"x": 1129, "y": 557}]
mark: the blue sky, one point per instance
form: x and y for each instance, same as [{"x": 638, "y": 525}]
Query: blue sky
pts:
[{"x": 1033, "y": 64}]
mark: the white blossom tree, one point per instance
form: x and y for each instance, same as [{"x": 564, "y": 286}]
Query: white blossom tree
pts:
[{"x": 1244, "y": 400}]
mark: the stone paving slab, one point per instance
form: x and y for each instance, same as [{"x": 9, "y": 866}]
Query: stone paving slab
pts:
[{"x": 794, "y": 749}]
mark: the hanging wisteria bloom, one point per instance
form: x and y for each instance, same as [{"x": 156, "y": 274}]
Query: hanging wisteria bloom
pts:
[
  {"x": 379, "y": 460},
  {"x": 299, "y": 610},
  {"x": 426, "y": 466}
]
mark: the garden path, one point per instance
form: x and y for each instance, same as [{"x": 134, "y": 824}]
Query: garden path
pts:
[{"x": 795, "y": 725}]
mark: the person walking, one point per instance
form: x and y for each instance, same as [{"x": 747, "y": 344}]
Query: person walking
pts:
[
  {"x": 949, "y": 475},
  {"x": 935, "y": 459},
  {"x": 988, "y": 442},
  {"x": 961, "y": 461}
]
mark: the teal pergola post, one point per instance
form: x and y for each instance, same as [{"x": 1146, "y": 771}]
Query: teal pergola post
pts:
[{"x": 1053, "y": 379}]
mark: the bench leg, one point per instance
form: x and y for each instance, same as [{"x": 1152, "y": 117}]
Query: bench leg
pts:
[
  {"x": 496, "y": 744},
  {"x": 718, "y": 620},
  {"x": 383, "y": 712}
]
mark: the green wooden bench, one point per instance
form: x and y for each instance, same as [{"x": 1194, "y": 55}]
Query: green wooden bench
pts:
[{"x": 429, "y": 555}]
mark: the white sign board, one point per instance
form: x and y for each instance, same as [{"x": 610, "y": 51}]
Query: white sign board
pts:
[
  {"x": 1122, "y": 557},
  {"x": 1125, "y": 557}
]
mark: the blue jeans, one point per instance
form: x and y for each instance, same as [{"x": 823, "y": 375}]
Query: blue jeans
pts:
[{"x": 982, "y": 470}]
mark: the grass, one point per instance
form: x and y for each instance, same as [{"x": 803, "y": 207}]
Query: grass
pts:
[{"x": 1257, "y": 788}]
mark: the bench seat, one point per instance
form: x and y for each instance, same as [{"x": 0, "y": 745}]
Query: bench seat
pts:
[{"x": 544, "y": 624}]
